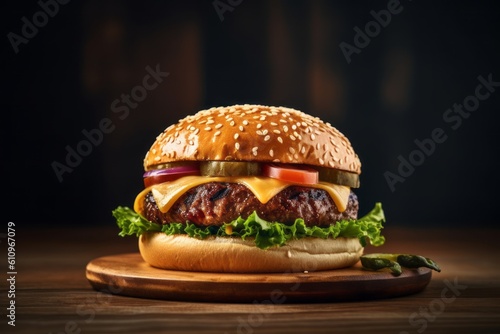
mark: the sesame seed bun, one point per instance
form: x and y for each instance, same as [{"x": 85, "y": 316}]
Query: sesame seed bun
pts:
[
  {"x": 254, "y": 133},
  {"x": 226, "y": 254}
]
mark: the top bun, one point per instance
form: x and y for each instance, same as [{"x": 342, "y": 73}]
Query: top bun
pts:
[{"x": 254, "y": 133}]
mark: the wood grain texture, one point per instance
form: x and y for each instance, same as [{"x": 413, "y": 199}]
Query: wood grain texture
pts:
[
  {"x": 131, "y": 276},
  {"x": 53, "y": 294}
]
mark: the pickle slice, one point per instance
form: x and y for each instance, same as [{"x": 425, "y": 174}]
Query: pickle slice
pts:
[
  {"x": 247, "y": 168},
  {"x": 230, "y": 168},
  {"x": 173, "y": 164},
  {"x": 336, "y": 176}
]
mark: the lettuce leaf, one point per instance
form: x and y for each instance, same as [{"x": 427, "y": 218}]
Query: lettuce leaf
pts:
[
  {"x": 266, "y": 234},
  {"x": 133, "y": 223}
]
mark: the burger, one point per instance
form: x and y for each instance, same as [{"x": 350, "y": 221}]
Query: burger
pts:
[{"x": 250, "y": 189}]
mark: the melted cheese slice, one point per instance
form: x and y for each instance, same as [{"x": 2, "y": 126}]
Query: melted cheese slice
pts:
[{"x": 264, "y": 188}]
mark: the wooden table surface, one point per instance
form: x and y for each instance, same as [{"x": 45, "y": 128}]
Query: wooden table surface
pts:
[{"x": 52, "y": 294}]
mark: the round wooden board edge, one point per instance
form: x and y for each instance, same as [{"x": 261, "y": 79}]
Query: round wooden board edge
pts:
[{"x": 115, "y": 274}]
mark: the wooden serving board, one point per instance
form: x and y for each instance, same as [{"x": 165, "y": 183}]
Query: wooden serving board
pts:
[{"x": 129, "y": 275}]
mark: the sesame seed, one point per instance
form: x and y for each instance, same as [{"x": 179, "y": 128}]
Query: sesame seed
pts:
[
  {"x": 331, "y": 163},
  {"x": 153, "y": 150},
  {"x": 196, "y": 131},
  {"x": 241, "y": 128},
  {"x": 237, "y": 146},
  {"x": 280, "y": 140},
  {"x": 210, "y": 121},
  {"x": 313, "y": 136},
  {"x": 157, "y": 158},
  {"x": 271, "y": 153},
  {"x": 291, "y": 149},
  {"x": 285, "y": 128},
  {"x": 266, "y": 138},
  {"x": 277, "y": 131},
  {"x": 236, "y": 135},
  {"x": 292, "y": 137},
  {"x": 218, "y": 126},
  {"x": 217, "y": 133},
  {"x": 321, "y": 161},
  {"x": 232, "y": 123},
  {"x": 259, "y": 126},
  {"x": 274, "y": 124},
  {"x": 208, "y": 128}
]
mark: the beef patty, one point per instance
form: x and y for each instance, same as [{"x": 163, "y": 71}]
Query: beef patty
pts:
[{"x": 216, "y": 203}]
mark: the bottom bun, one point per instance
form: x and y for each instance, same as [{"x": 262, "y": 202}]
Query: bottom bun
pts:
[{"x": 234, "y": 255}]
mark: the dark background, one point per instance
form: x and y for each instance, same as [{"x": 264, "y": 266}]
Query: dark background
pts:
[{"x": 396, "y": 90}]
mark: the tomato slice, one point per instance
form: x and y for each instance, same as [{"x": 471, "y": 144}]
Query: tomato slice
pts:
[
  {"x": 156, "y": 176},
  {"x": 291, "y": 173}
]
